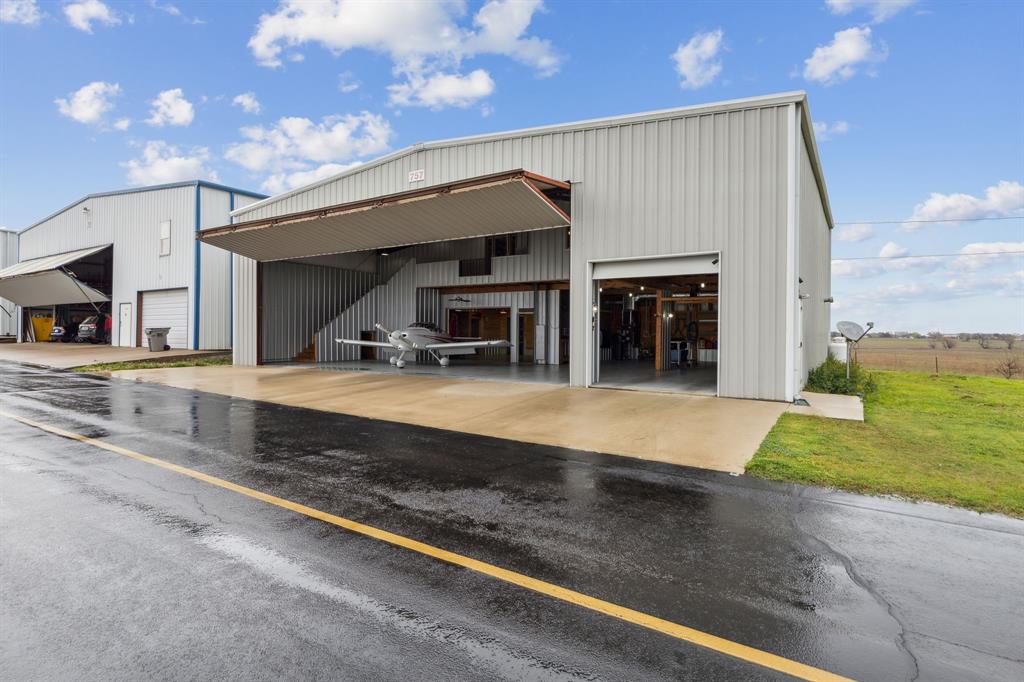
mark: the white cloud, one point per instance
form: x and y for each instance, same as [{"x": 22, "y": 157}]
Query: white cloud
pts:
[
  {"x": 89, "y": 103},
  {"x": 839, "y": 60},
  {"x": 442, "y": 89},
  {"x": 695, "y": 61},
  {"x": 81, "y": 15},
  {"x": 161, "y": 163},
  {"x": 122, "y": 123},
  {"x": 1005, "y": 198},
  {"x": 892, "y": 258},
  {"x": 880, "y": 10},
  {"x": 893, "y": 250},
  {"x": 979, "y": 255},
  {"x": 171, "y": 108},
  {"x": 424, "y": 40},
  {"x": 296, "y": 148},
  {"x": 855, "y": 233},
  {"x": 24, "y": 12},
  {"x": 248, "y": 102},
  {"x": 824, "y": 132},
  {"x": 175, "y": 11},
  {"x": 347, "y": 82},
  {"x": 282, "y": 182}
]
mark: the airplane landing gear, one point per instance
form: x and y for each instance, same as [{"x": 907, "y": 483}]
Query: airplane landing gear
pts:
[
  {"x": 393, "y": 360},
  {"x": 400, "y": 364},
  {"x": 444, "y": 362}
]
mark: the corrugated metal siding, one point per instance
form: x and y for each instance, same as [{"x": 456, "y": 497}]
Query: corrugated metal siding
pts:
[
  {"x": 299, "y": 299},
  {"x": 393, "y": 304},
  {"x": 547, "y": 260},
  {"x": 8, "y": 257},
  {"x": 131, "y": 222},
  {"x": 243, "y": 318},
  {"x": 708, "y": 182},
  {"x": 215, "y": 272},
  {"x": 815, "y": 267},
  {"x": 243, "y": 302}
]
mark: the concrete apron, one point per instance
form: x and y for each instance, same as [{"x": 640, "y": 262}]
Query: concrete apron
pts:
[
  {"x": 700, "y": 431},
  {"x": 70, "y": 355}
]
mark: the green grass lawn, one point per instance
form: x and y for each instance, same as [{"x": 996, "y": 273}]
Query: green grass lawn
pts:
[
  {"x": 186, "y": 361},
  {"x": 952, "y": 439}
]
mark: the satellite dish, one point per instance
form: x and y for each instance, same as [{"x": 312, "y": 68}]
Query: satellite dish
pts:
[{"x": 851, "y": 330}]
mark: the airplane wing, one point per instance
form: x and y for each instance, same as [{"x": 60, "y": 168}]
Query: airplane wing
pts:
[
  {"x": 375, "y": 344},
  {"x": 467, "y": 344}
]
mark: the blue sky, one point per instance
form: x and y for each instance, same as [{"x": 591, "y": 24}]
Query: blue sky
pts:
[{"x": 920, "y": 107}]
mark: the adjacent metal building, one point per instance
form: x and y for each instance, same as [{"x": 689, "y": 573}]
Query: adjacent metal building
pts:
[
  {"x": 8, "y": 257},
  {"x": 131, "y": 254},
  {"x": 732, "y": 191}
]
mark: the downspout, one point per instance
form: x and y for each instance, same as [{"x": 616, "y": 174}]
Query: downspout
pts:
[{"x": 196, "y": 278}]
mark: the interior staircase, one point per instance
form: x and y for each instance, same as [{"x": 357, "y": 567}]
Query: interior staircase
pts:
[{"x": 387, "y": 267}]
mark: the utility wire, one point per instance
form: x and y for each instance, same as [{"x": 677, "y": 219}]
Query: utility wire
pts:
[
  {"x": 944, "y": 220},
  {"x": 935, "y": 255}
]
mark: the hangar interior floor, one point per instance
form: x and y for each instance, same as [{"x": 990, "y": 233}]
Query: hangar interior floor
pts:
[
  {"x": 459, "y": 369},
  {"x": 640, "y": 375}
]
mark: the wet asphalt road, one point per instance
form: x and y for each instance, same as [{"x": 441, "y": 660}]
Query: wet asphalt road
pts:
[{"x": 115, "y": 569}]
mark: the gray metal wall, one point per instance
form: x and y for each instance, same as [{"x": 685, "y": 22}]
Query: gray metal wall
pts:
[
  {"x": 547, "y": 260},
  {"x": 8, "y": 256},
  {"x": 714, "y": 179},
  {"x": 815, "y": 268},
  {"x": 393, "y": 304},
  {"x": 131, "y": 222},
  {"x": 299, "y": 299}
]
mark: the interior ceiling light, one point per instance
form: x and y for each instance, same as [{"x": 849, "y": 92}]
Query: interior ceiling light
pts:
[{"x": 702, "y": 285}]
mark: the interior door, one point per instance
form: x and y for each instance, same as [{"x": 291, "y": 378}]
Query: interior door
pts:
[{"x": 124, "y": 325}]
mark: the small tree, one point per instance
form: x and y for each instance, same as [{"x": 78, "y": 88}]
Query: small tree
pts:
[
  {"x": 949, "y": 342},
  {"x": 984, "y": 341},
  {"x": 934, "y": 339},
  {"x": 1009, "y": 367}
]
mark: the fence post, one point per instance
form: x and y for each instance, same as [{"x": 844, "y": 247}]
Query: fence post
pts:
[{"x": 936, "y": 364}]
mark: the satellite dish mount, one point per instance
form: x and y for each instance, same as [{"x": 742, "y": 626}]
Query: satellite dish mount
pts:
[{"x": 853, "y": 333}]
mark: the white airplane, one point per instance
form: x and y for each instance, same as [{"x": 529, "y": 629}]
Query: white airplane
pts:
[{"x": 427, "y": 337}]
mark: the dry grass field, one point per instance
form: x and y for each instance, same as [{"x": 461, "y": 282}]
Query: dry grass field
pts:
[{"x": 915, "y": 355}]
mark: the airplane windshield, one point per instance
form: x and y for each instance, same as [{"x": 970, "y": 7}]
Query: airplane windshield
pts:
[{"x": 429, "y": 326}]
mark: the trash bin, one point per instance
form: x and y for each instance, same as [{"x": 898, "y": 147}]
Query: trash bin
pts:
[{"x": 157, "y": 337}]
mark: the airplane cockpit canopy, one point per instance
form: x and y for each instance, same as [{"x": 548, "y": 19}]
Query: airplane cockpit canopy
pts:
[{"x": 429, "y": 326}]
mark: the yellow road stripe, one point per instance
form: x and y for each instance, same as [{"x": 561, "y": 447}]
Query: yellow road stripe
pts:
[{"x": 686, "y": 634}]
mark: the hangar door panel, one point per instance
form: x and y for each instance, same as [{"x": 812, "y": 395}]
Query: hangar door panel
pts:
[{"x": 167, "y": 308}]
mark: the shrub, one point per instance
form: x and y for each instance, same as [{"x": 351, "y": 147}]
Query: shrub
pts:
[{"x": 830, "y": 377}]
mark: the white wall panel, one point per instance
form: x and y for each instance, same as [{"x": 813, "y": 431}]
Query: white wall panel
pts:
[
  {"x": 8, "y": 256},
  {"x": 815, "y": 267}
]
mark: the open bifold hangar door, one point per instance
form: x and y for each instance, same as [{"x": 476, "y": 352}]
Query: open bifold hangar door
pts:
[
  {"x": 502, "y": 203},
  {"x": 50, "y": 281}
]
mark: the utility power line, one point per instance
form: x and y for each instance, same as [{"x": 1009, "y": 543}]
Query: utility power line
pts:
[
  {"x": 944, "y": 220},
  {"x": 936, "y": 255}
]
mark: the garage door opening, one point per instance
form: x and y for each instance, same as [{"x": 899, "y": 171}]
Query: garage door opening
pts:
[
  {"x": 658, "y": 333},
  {"x": 481, "y": 323}
]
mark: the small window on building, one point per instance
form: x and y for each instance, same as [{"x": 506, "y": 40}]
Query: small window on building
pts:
[{"x": 165, "y": 238}]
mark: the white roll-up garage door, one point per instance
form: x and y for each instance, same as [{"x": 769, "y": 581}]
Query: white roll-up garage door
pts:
[
  {"x": 698, "y": 264},
  {"x": 167, "y": 308}
]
